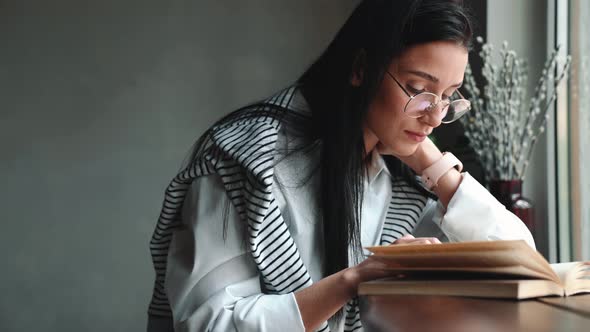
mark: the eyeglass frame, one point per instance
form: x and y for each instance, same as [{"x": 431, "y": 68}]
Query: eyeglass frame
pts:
[{"x": 431, "y": 104}]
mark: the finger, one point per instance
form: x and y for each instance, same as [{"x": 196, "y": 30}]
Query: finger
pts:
[
  {"x": 431, "y": 240},
  {"x": 409, "y": 239},
  {"x": 421, "y": 241},
  {"x": 413, "y": 241},
  {"x": 403, "y": 239}
]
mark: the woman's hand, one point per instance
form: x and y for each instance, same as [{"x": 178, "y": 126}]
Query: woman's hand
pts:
[
  {"x": 425, "y": 155},
  {"x": 371, "y": 269},
  {"x": 322, "y": 299},
  {"x": 409, "y": 239}
]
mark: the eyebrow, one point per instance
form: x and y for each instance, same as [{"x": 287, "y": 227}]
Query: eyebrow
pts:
[{"x": 430, "y": 77}]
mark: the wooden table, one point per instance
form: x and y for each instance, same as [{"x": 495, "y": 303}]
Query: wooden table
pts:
[{"x": 421, "y": 313}]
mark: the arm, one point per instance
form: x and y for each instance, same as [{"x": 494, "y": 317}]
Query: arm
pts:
[
  {"x": 427, "y": 154},
  {"x": 318, "y": 302},
  {"x": 471, "y": 213},
  {"x": 472, "y": 201}
]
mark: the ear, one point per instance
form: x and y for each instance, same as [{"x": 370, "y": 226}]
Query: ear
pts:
[{"x": 358, "y": 68}]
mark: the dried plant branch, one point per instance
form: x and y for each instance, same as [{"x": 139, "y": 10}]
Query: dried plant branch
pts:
[{"x": 504, "y": 125}]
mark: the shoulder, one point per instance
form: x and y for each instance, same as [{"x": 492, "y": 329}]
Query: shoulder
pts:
[{"x": 251, "y": 136}]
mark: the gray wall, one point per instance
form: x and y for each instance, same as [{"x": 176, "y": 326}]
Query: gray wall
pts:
[{"x": 99, "y": 103}]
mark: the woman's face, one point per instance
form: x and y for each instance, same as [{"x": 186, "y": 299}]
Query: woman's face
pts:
[{"x": 436, "y": 67}]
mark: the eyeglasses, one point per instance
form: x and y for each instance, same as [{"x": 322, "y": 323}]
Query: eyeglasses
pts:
[{"x": 423, "y": 103}]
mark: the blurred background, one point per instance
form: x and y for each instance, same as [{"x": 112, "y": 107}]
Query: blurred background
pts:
[{"x": 100, "y": 101}]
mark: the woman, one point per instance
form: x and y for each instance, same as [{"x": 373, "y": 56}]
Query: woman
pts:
[{"x": 264, "y": 228}]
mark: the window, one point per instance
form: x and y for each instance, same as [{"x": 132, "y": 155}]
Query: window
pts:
[
  {"x": 579, "y": 120},
  {"x": 573, "y": 132}
]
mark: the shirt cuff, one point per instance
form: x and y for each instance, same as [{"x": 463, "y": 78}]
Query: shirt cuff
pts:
[{"x": 473, "y": 214}]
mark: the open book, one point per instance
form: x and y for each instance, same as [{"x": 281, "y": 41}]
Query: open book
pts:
[{"x": 499, "y": 269}]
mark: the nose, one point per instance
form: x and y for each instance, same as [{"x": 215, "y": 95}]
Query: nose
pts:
[{"x": 434, "y": 117}]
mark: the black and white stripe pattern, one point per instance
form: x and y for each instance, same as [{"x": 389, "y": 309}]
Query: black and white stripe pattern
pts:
[
  {"x": 242, "y": 154},
  {"x": 405, "y": 210},
  {"x": 352, "y": 320}
]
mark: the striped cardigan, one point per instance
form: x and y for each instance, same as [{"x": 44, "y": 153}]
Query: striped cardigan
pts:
[{"x": 241, "y": 152}]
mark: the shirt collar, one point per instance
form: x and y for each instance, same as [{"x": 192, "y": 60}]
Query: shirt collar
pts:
[{"x": 375, "y": 166}]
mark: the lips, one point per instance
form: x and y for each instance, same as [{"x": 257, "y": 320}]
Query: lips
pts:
[{"x": 416, "y": 136}]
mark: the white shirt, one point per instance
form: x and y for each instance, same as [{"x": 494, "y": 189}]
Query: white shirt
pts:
[{"x": 215, "y": 283}]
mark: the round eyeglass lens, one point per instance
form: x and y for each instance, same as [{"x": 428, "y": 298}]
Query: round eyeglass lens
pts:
[
  {"x": 455, "y": 110},
  {"x": 420, "y": 105}
]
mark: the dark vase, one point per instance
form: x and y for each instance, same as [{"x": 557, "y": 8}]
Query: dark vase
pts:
[{"x": 509, "y": 193}]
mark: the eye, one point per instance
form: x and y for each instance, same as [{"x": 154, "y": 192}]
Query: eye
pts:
[{"x": 414, "y": 90}]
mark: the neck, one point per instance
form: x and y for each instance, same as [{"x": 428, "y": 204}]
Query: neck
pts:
[{"x": 370, "y": 141}]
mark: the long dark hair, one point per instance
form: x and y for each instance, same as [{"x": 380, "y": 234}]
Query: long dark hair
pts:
[{"x": 377, "y": 32}]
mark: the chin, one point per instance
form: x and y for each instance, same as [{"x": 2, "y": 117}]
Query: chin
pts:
[
  {"x": 402, "y": 152},
  {"x": 407, "y": 150}
]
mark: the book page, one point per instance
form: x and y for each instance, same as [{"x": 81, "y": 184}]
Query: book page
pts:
[
  {"x": 562, "y": 269},
  {"x": 575, "y": 276},
  {"x": 484, "y": 255}
]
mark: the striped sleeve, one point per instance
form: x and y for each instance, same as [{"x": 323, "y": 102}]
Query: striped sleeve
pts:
[{"x": 212, "y": 283}]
